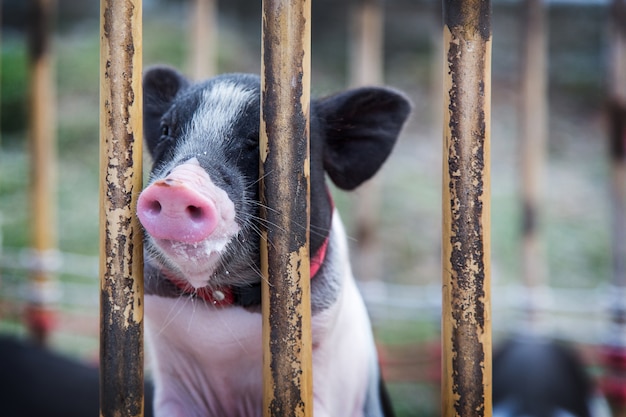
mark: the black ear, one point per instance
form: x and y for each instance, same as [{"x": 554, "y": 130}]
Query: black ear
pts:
[
  {"x": 160, "y": 86},
  {"x": 361, "y": 127}
]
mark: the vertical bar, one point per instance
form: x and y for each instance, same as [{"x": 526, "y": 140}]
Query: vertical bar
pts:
[
  {"x": 533, "y": 144},
  {"x": 466, "y": 321},
  {"x": 43, "y": 169},
  {"x": 203, "y": 39},
  {"x": 284, "y": 154},
  {"x": 121, "y": 263}
]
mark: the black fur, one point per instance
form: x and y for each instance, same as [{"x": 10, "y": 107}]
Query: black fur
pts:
[
  {"x": 35, "y": 381},
  {"x": 536, "y": 377}
]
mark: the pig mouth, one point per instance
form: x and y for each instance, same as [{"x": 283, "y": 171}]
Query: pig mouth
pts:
[{"x": 196, "y": 262}]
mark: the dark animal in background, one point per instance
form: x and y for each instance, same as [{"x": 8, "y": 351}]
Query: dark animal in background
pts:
[
  {"x": 200, "y": 212},
  {"x": 536, "y": 377},
  {"x": 35, "y": 382}
]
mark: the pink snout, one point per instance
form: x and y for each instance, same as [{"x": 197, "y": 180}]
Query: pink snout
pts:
[{"x": 169, "y": 209}]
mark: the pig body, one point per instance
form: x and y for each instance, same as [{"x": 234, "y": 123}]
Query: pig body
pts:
[
  {"x": 200, "y": 211},
  {"x": 537, "y": 377},
  {"x": 36, "y": 381}
]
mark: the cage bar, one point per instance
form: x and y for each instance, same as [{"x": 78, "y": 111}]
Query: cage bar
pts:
[
  {"x": 466, "y": 319},
  {"x": 284, "y": 156},
  {"x": 121, "y": 260}
]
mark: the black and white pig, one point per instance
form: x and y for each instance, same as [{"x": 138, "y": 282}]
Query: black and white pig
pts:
[{"x": 200, "y": 212}]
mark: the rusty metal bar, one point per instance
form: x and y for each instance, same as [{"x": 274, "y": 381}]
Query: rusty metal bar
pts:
[
  {"x": 121, "y": 260},
  {"x": 43, "y": 169},
  {"x": 284, "y": 153},
  {"x": 466, "y": 320}
]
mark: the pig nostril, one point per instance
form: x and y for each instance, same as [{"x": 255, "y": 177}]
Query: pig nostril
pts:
[
  {"x": 154, "y": 207},
  {"x": 195, "y": 213}
]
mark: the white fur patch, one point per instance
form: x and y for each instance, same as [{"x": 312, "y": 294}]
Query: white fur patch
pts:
[{"x": 220, "y": 108}]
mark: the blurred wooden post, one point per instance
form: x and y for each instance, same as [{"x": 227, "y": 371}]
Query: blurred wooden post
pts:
[
  {"x": 284, "y": 155},
  {"x": 617, "y": 118},
  {"x": 366, "y": 68},
  {"x": 203, "y": 56},
  {"x": 121, "y": 260},
  {"x": 366, "y": 46},
  {"x": 533, "y": 143},
  {"x": 1, "y": 24},
  {"x": 614, "y": 353},
  {"x": 466, "y": 321},
  {"x": 39, "y": 314},
  {"x": 1, "y": 217}
]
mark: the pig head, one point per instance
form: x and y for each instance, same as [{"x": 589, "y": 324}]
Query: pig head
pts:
[{"x": 200, "y": 212}]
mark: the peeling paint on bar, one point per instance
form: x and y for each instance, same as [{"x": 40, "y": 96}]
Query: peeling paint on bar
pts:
[
  {"x": 121, "y": 258},
  {"x": 284, "y": 154},
  {"x": 466, "y": 386}
]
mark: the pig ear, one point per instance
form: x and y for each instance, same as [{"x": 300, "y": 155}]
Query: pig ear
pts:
[
  {"x": 160, "y": 86},
  {"x": 361, "y": 128}
]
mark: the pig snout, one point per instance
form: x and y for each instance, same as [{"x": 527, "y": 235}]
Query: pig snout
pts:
[{"x": 170, "y": 209}]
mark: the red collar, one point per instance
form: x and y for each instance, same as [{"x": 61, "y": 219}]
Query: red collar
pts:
[{"x": 223, "y": 296}]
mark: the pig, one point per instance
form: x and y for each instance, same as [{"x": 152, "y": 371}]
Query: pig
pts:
[
  {"x": 200, "y": 213},
  {"x": 539, "y": 377},
  {"x": 37, "y": 381}
]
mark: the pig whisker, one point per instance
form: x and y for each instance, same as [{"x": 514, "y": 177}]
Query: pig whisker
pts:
[
  {"x": 258, "y": 180},
  {"x": 172, "y": 314},
  {"x": 321, "y": 231},
  {"x": 192, "y": 299},
  {"x": 228, "y": 327},
  {"x": 262, "y": 222}
]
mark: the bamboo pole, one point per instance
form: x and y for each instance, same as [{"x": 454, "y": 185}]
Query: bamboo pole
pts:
[
  {"x": 466, "y": 321},
  {"x": 202, "y": 59},
  {"x": 43, "y": 170},
  {"x": 121, "y": 262},
  {"x": 284, "y": 154},
  {"x": 533, "y": 144}
]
